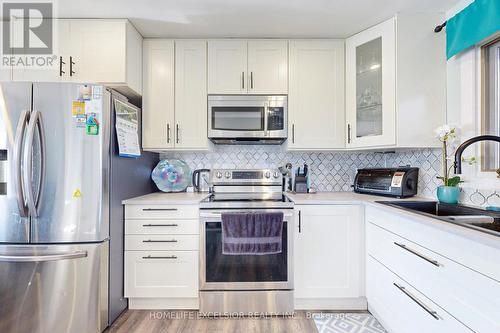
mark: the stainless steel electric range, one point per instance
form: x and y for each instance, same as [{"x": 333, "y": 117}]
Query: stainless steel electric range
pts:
[{"x": 245, "y": 284}]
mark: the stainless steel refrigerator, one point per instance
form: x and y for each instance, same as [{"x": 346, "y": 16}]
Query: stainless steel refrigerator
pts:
[{"x": 61, "y": 218}]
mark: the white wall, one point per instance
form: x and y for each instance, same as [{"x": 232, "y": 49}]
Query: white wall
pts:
[{"x": 463, "y": 106}]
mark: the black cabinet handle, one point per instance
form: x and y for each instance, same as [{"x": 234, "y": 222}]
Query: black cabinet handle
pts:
[
  {"x": 61, "y": 64},
  {"x": 243, "y": 80},
  {"x": 71, "y": 63},
  {"x": 159, "y": 209}
]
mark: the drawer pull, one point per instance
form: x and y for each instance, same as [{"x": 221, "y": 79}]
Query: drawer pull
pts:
[
  {"x": 416, "y": 300},
  {"x": 162, "y": 257},
  {"x": 404, "y": 247},
  {"x": 159, "y": 241},
  {"x": 161, "y": 225},
  {"x": 159, "y": 209}
]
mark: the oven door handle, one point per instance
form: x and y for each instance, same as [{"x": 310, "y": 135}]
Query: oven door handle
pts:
[{"x": 208, "y": 217}]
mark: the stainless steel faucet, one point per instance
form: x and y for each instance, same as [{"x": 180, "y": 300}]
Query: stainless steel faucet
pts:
[{"x": 461, "y": 148}]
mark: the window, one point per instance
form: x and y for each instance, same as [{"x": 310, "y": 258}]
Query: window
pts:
[{"x": 490, "y": 160}]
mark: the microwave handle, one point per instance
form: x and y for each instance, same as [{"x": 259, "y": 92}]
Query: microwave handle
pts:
[{"x": 266, "y": 115}]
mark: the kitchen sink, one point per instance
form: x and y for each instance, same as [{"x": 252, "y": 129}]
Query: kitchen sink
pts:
[{"x": 471, "y": 217}]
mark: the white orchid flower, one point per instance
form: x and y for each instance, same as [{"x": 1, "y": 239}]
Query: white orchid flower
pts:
[{"x": 445, "y": 133}]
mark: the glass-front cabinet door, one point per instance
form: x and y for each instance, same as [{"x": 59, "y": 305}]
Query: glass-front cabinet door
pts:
[{"x": 370, "y": 87}]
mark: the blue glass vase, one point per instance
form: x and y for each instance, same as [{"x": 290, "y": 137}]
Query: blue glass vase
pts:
[{"x": 448, "y": 194}]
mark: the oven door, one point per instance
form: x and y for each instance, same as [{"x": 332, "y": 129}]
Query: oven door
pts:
[{"x": 243, "y": 272}]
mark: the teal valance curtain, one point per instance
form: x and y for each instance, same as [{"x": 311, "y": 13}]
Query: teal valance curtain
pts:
[{"x": 476, "y": 22}]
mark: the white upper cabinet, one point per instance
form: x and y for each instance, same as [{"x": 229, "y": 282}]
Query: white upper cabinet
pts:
[
  {"x": 158, "y": 120},
  {"x": 247, "y": 67},
  {"x": 191, "y": 94},
  {"x": 396, "y": 83},
  {"x": 106, "y": 51},
  {"x": 55, "y": 71},
  {"x": 328, "y": 255},
  {"x": 227, "y": 67},
  {"x": 175, "y": 95},
  {"x": 316, "y": 95},
  {"x": 268, "y": 67},
  {"x": 370, "y": 87}
]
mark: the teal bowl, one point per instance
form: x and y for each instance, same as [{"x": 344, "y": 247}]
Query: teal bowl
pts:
[{"x": 448, "y": 194}]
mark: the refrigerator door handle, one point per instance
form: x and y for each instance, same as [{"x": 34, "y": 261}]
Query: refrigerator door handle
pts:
[
  {"x": 42, "y": 258},
  {"x": 18, "y": 160},
  {"x": 34, "y": 199}
]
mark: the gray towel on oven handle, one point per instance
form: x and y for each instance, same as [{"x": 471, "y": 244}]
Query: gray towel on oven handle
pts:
[{"x": 252, "y": 233}]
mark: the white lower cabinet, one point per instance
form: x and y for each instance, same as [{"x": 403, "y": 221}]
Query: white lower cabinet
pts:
[
  {"x": 402, "y": 309},
  {"x": 442, "y": 275},
  {"x": 161, "y": 274},
  {"x": 328, "y": 257},
  {"x": 161, "y": 256}
]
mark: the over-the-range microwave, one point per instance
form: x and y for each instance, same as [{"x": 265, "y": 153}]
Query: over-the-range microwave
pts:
[{"x": 247, "y": 119}]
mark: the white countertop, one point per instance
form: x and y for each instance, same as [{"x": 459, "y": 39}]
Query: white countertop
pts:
[
  {"x": 327, "y": 198},
  {"x": 161, "y": 198},
  {"x": 339, "y": 198}
]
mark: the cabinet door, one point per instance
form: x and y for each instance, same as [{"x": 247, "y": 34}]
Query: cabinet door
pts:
[
  {"x": 98, "y": 49},
  {"x": 51, "y": 73},
  {"x": 316, "y": 95},
  {"x": 329, "y": 252},
  {"x": 227, "y": 67},
  {"x": 191, "y": 94},
  {"x": 370, "y": 87},
  {"x": 268, "y": 67},
  {"x": 161, "y": 274},
  {"x": 158, "y": 94}
]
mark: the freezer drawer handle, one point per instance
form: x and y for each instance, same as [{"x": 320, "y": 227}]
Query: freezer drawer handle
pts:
[
  {"x": 42, "y": 258},
  {"x": 159, "y": 209},
  {"x": 162, "y": 257},
  {"x": 160, "y": 241},
  {"x": 161, "y": 225},
  {"x": 416, "y": 300},
  {"x": 404, "y": 247}
]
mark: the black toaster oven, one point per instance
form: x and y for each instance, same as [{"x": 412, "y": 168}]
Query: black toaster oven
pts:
[{"x": 398, "y": 182}]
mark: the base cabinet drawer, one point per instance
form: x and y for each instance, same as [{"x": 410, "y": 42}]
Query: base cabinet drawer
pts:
[
  {"x": 161, "y": 212},
  {"x": 162, "y": 242},
  {"x": 161, "y": 274},
  {"x": 162, "y": 227},
  {"x": 401, "y": 308},
  {"x": 472, "y": 298}
]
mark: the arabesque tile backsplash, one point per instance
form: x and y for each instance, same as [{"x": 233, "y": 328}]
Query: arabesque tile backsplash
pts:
[{"x": 334, "y": 171}]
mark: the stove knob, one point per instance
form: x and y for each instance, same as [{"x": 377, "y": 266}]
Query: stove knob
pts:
[
  {"x": 276, "y": 174},
  {"x": 227, "y": 174},
  {"x": 218, "y": 174},
  {"x": 267, "y": 174}
]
